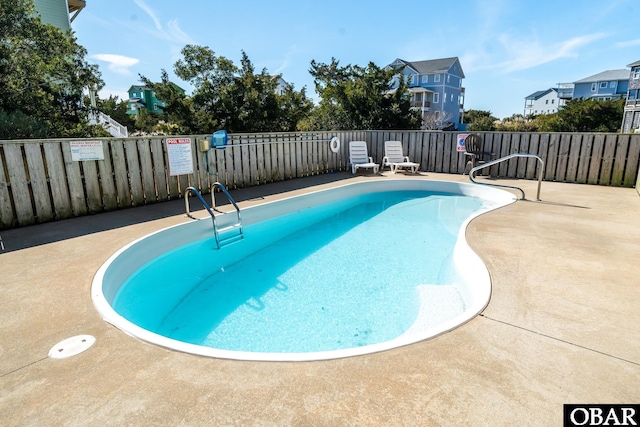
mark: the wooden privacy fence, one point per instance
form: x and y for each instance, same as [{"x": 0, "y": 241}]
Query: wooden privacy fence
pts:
[{"x": 41, "y": 181}]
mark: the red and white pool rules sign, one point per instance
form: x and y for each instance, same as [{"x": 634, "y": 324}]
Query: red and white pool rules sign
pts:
[{"x": 180, "y": 156}]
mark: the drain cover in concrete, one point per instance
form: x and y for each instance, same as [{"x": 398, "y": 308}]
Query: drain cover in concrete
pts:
[{"x": 71, "y": 346}]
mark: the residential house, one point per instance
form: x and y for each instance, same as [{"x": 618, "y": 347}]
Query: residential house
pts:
[
  {"x": 59, "y": 13},
  {"x": 141, "y": 97},
  {"x": 282, "y": 84},
  {"x": 436, "y": 88},
  {"x": 542, "y": 102},
  {"x": 631, "y": 117},
  {"x": 610, "y": 84}
]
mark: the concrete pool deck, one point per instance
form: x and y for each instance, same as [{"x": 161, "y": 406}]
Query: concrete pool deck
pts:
[{"x": 562, "y": 326}]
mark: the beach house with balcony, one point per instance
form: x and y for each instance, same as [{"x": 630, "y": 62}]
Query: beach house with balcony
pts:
[
  {"x": 435, "y": 87},
  {"x": 542, "y": 102},
  {"x": 631, "y": 117},
  {"x": 143, "y": 98},
  {"x": 59, "y": 13},
  {"x": 610, "y": 84}
]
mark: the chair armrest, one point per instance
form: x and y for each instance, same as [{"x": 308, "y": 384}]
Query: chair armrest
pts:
[
  {"x": 406, "y": 159},
  {"x": 370, "y": 159}
]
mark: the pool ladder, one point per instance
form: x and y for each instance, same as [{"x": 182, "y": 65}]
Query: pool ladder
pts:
[{"x": 225, "y": 234}]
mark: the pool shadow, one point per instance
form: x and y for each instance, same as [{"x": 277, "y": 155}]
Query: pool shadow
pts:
[{"x": 41, "y": 234}]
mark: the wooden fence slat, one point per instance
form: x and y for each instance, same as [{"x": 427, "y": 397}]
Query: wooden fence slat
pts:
[
  {"x": 7, "y": 218},
  {"x": 38, "y": 181},
  {"x": 563, "y": 153},
  {"x": 596, "y": 159},
  {"x": 120, "y": 174},
  {"x": 57, "y": 180},
  {"x": 242, "y": 164},
  {"x": 622, "y": 147},
  {"x": 573, "y": 157},
  {"x": 584, "y": 158},
  {"x": 253, "y": 161},
  {"x": 610, "y": 143},
  {"x": 202, "y": 159},
  {"x": 135, "y": 177},
  {"x": 493, "y": 144},
  {"x": 633, "y": 164},
  {"x": 505, "y": 150},
  {"x": 92, "y": 186},
  {"x": 107, "y": 184},
  {"x": 74, "y": 178},
  {"x": 521, "y": 170},
  {"x": 19, "y": 184},
  {"x": 160, "y": 169},
  {"x": 552, "y": 157},
  {"x": 446, "y": 157},
  {"x": 512, "y": 164},
  {"x": 146, "y": 170},
  {"x": 533, "y": 164}
]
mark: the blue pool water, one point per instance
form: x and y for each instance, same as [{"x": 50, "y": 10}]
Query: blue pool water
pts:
[{"x": 345, "y": 274}]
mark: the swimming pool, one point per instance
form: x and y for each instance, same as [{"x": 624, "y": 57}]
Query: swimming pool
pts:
[{"x": 333, "y": 273}]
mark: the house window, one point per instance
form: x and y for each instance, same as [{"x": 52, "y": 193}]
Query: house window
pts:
[
  {"x": 436, "y": 98},
  {"x": 603, "y": 85},
  {"x": 436, "y": 78},
  {"x": 636, "y": 73},
  {"x": 546, "y": 101},
  {"x": 612, "y": 84},
  {"x": 413, "y": 79},
  {"x": 594, "y": 86},
  {"x": 451, "y": 97},
  {"x": 155, "y": 106},
  {"x": 553, "y": 101},
  {"x": 448, "y": 78},
  {"x": 425, "y": 79}
]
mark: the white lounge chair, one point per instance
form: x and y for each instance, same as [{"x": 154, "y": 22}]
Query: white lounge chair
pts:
[
  {"x": 359, "y": 157},
  {"x": 394, "y": 158}
]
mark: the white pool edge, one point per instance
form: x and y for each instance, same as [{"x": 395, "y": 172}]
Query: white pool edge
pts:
[{"x": 463, "y": 254}]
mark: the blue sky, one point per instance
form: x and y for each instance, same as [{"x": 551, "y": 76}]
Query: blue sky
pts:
[{"x": 508, "y": 49}]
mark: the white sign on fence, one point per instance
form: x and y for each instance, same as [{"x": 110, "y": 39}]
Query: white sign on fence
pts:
[
  {"x": 460, "y": 144},
  {"x": 180, "y": 157},
  {"x": 86, "y": 150}
]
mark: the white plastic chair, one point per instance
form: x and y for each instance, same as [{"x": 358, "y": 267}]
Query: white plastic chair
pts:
[
  {"x": 394, "y": 158},
  {"x": 359, "y": 157}
]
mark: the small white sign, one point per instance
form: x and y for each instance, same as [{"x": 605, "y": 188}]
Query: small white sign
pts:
[
  {"x": 461, "y": 138},
  {"x": 180, "y": 157},
  {"x": 86, "y": 150}
]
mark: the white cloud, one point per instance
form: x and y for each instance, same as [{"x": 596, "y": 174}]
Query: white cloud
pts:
[
  {"x": 522, "y": 54},
  {"x": 172, "y": 32},
  {"x": 119, "y": 64}
]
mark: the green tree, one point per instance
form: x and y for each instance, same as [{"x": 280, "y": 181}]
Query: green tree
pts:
[
  {"x": 117, "y": 110},
  {"x": 43, "y": 72},
  {"x": 480, "y": 120},
  {"x": 179, "y": 112},
  {"x": 354, "y": 97},
  {"x": 585, "y": 115},
  {"x": 225, "y": 96}
]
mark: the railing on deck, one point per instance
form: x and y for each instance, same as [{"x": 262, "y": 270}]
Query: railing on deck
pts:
[{"x": 40, "y": 181}]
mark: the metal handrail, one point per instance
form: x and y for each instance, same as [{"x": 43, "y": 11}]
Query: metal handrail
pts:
[
  {"x": 211, "y": 209},
  {"x": 226, "y": 193},
  {"x": 502, "y": 159}
]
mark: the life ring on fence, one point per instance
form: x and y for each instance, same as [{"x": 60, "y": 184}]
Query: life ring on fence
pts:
[{"x": 334, "y": 144}]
